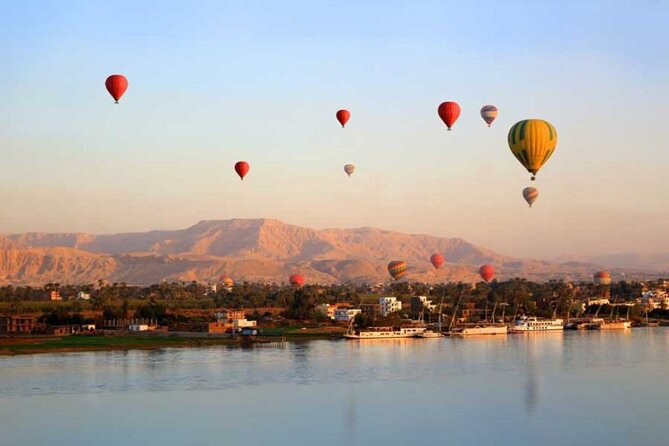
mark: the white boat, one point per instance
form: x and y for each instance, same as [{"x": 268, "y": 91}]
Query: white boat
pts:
[
  {"x": 430, "y": 334},
  {"x": 530, "y": 324},
  {"x": 385, "y": 333},
  {"x": 481, "y": 329}
]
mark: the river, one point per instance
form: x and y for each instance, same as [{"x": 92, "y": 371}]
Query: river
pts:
[{"x": 541, "y": 389}]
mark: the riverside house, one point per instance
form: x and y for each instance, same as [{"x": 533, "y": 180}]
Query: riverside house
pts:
[{"x": 17, "y": 324}]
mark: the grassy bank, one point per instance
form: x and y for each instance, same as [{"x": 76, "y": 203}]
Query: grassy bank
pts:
[
  {"x": 55, "y": 344},
  {"x": 20, "y": 345}
]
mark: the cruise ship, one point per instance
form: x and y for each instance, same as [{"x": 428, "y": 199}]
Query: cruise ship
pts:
[
  {"x": 527, "y": 324},
  {"x": 385, "y": 333},
  {"x": 485, "y": 328}
]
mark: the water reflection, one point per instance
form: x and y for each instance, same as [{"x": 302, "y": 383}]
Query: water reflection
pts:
[{"x": 391, "y": 392}]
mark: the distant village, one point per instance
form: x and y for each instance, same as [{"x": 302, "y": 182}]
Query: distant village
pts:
[{"x": 227, "y": 309}]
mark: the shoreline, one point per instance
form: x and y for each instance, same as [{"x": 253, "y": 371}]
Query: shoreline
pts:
[{"x": 27, "y": 345}]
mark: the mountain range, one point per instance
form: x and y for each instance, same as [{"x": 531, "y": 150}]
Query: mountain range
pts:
[{"x": 258, "y": 250}]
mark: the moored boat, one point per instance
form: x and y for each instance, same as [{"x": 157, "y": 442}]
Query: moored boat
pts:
[
  {"x": 481, "y": 329},
  {"x": 616, "y": 324},
  {"x": 530, "y": 324},
  {"x": 384, "y": 332}
]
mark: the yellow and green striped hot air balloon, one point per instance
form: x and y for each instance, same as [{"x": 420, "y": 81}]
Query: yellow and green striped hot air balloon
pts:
[{"x": 532, "y": 142}]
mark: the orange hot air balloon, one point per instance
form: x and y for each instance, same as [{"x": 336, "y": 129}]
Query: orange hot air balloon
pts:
[
  {"x": 397, "y": 269},
  {"x": 449, "y": 113},
  {"x": 116, "y": 85},
  {"x": 487, "y": 272},
  {"x": 296, "y": 280},
  {"x": 602, "y": 278},
  {"x": 343, "y": 116},
  {"x": 437, "y": 260},
  {"x": 242, "y": 168},
  {"x": 227, "y": 281}
]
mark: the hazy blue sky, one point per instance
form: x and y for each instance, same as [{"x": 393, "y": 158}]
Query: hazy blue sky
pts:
[{"x": 214, "y": 83}]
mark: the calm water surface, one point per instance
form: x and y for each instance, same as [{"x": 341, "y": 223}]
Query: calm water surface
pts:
[{"x": 544, "y": 389}]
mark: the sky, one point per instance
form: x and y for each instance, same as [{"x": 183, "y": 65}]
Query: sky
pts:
[{"x": 211, "y": 83}]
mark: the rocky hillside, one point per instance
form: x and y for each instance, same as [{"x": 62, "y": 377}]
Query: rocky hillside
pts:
[{"x": 254, "y": 250}]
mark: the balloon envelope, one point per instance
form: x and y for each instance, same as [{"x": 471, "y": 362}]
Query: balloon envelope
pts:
[
  {"x": 449, "y": 113},
  {"x": 489, "y": 113},
  {"x": 532, "y": 142},
  {"x": 116, "y": 85},
  {"x": 227, "y": 281},
  {"x": 242, "y": 168},
  {"x": 602, "y": 278},
  {"x": 530, "y": 194},
  {"x": 397, "y": 269},
  {"x": 487, "y": 272},
  {"x": 343, "y": 116},
  {"x": 437, "y": 260},
  {"x": 296, "y": 280},
  {"x": 349, "y": 169}
]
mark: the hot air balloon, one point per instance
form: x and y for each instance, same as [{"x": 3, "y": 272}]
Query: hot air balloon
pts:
[
  {"x": 602, "y": 278},
  {"x": 449, "y": 113},
  {"x": 532, "y": 142},
  {"x": 116, "y": 85},
  {"x": 242, "y": 168},
  {"x": 296, "y": 280},
  {"x": 343, "y": 116},
  {"x": 437, "y": 260},
  {"x": 349, "y": 169},
  {"x": 397, "y": 269},
  {"x": 489, "y": 113},
  {"x": 487, "y": 272},
  {"x": 530, "y": 194},
  {"x": 227, "y": 281}
]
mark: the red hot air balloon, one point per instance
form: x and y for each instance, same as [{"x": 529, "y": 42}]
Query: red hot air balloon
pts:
[
  {"x": 449, "y": 113},
  {"x": 437, "y": 260},
  {"x": 296, "y": 280},
  {"x": 343, "y": 116},
  {"x": 397, "y": 269},
  {"x": 242, "y": 168},
  {"x": 487, "y": 272},
  {"x": 116, "y": 85}
]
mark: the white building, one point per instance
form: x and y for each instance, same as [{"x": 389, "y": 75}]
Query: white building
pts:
[
  {"x": 389, "y": 305},
  {"x": 83, "y": 296},
  {"x": 346, "y": 314},
  {"x": 592, "y": 302},
  {"x": 238, "y": 324}
]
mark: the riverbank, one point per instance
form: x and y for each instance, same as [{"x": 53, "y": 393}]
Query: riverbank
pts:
[{"x": 22, "y": 345}]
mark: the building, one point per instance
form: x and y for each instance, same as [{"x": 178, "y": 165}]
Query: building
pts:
[
  {"x": 83, "y": 296},
  {"x": 138, "y": 327},
  {"x": 328, "y": 310},
  {"x": 420, "y": 303},
  {"x": 389, "y": 305},
  {"x": 61, "y": 330},
  {"x": 238, "y": 324},
  {"x": 17, "y": 324},
  {"x": 218, "y": 327},
  {"x": 346, "y": 314},
  {"x": 55, "y": 295}
]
